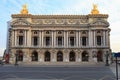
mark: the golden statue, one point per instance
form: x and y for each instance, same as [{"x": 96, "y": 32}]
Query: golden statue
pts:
[
  {"x": 95, "y": 10},
  {"x": 24, "y": 9}
]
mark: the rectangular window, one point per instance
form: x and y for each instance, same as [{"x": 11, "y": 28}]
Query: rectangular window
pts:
[
  {"x": 72, "y": 41},
  {"x": 59, "y": 41},
  {"x": 47, "y": 41},
  {"x": 99, "y": 40},
  {"x": 35, "y": 42},
  {"x": 84, "y": 41},
  {"x": 20, "y": 40}
]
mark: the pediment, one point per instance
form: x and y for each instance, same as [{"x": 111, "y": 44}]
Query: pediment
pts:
[
  {"x": 20, "y": 22},
  {"x": 100, "y": 23}
]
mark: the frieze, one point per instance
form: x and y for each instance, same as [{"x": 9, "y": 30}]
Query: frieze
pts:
[{"x": 60, "y": 21}]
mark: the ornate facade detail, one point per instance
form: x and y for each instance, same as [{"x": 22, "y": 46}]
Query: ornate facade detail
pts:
[{"x": 59, "y": 38}]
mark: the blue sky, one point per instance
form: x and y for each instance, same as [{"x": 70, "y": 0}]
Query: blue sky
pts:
[{"x": 111, "y": 7}]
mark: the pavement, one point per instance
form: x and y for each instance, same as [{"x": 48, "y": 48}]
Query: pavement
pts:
[
  {"x": 96, "y": 71},
  {"x": 113, "y": 69}
]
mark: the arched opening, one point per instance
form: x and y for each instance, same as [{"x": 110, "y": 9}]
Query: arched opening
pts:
[
  {"x": 19, "y": 55},
  {"x": 85, "y": 56},
  {"x": 99, "y": 56},
  {"x": 35, "y": 56},
  {"x": 59, "y": 56},
  {"x": 47, "y": 56},
  {"x": 72, "y": 56}
]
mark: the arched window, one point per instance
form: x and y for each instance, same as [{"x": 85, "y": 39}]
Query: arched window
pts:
[
  {"x": 35, "y": 56},
  {"x": 47, "y": 56},
  {"x": 85, "y": 56},
  {"x": 99, "y": 56},
  {"x": 19, "y": 55},
  {"x": 59, "y": 56},
  {"x": 72, "y": 56}
]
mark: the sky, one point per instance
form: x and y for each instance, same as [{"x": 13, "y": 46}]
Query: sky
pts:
[{"x": 51, "y": 7}]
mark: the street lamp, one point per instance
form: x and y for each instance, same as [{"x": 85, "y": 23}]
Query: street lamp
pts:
[{"x": 107, "y": 55}]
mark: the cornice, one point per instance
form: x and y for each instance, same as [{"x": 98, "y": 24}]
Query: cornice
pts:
[
  {"x": 98, "y": 16},
  {"x": 59, "y": 16}
]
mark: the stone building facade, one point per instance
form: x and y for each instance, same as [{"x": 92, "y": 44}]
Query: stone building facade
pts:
[{"x": 58, "y": 38}]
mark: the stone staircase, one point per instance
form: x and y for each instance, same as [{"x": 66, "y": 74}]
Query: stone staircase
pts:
[{"x": 61, "y": 64}]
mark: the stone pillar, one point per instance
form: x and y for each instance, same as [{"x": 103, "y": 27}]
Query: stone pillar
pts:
[
  {"x": 52, "y": 39},
  {"x": 29, "y": 38},
  {"x": 90, "y": 56},
  {"x": 53, "y": 56},
  {"x": 90, "y": 39},
  {"x": 79, "y": 56},
  {"x": 16, "y": 40},
  {"x": 42, "y": 56},
  {"x": 40, "y": 39},
  {"x": 76, "y": 56},
  {"x": 64, "y": 38},
  {"x": 66, "y": 55},
  {"x": 104, "y": 41},
  {"x": 94, "y": 38},
  {"x": 67, "y": 39},
  {"x": 77, "y": 38},
  {"x": 107, "y": 37},
  {"x": 25, "y": 38},
  {"x": 13, "y": 38}
]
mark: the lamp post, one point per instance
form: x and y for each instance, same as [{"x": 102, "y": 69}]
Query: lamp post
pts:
[{"x": 107, "y": 55}]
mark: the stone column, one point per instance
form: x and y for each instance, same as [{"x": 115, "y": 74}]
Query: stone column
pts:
[
  {"x": 42, "y": 56},
  {"x": 40, "y": 39},
  {"x": 77, "y": 38},
  {"x": 103, "y": 38},
  {"x": 64, "y": 38},
  {"x": 25, "y": 38},
  {"x": 67, "y": 39},
  {"x": 16, "y": 40},
  {"x": 107, "y": 35},
  {"x": 90, "y": 38},
  {"x": 52, "y": 39},
  {"x": 79, "y": 56},
  {"x": 66, "y": 55},
  {"x": 53, "y": 56},
  {"x": 29, "y": 38},
  {"x": 90, "y": 56},
  {"x": 94, "y": 38},
  {"x": 12, "y": 38}
]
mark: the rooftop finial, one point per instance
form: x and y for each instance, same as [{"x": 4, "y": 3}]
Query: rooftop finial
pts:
[
  {"x": 95, "y": 10},
  {"x": 24, "y": 9}
]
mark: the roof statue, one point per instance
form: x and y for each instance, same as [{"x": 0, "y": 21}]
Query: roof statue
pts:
[
  {"x": 24, "y": 9},
  {"x": 95, "y": 10}
]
